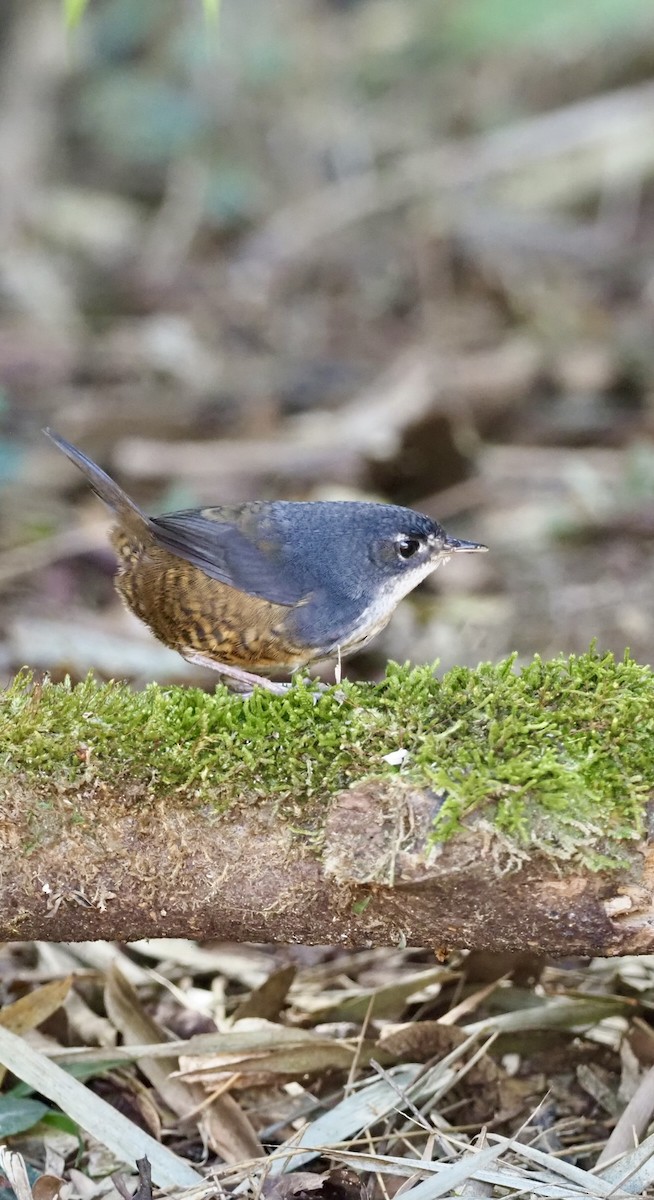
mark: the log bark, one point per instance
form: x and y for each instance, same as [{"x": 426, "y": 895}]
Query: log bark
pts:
[
  {"x": 312, "y": 816},
  {"x": 85, "y": 863}
]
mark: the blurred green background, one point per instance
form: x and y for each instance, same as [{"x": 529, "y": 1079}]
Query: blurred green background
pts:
[{"x": 380, "y": 248}]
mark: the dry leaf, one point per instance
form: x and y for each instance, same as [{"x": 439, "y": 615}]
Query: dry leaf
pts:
[
  {"x": 224, "y": 1122},
  {"x": 32, "y": 1010},
  {"x": 47, "y": 1187},
  {"x": 337, "y": 1184},
  {"x": 126, "y": 1013},
  {"x": 267, "y": 1000}
]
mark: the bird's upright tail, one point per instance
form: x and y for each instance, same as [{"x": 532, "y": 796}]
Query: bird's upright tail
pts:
[{"x": 103, "y": 485}]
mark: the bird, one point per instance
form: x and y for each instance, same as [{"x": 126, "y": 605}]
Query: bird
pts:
[{"x": 267, "y": 587}]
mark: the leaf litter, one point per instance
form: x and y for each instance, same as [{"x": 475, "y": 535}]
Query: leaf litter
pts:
[{"x": 354, "y": 1073}]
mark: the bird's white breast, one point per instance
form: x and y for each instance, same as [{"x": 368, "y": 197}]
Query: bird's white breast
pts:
[{"x": 378, "y": 614}]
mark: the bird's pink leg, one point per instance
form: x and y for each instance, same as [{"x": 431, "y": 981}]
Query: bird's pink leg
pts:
[{"x": 239, "y": 676}]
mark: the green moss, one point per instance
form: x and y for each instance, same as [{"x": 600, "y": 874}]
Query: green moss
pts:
[{"x": 559, "y": 755}]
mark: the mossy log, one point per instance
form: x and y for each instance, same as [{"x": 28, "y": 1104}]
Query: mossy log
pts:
[{"x": 500, "y": 808}]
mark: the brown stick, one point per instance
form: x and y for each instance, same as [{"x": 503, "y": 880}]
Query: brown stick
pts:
[
  {"x": 371, "y": 425},
  {"x": 130, "y": 866}
]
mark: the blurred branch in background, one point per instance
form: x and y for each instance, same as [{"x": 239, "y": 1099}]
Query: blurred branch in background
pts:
[
  {"x": 363, "y": 248},
  {"x": 557, "y": 158}
]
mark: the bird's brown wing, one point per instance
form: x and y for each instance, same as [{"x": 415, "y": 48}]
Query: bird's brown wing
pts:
[{"x": 225, "y": 552}]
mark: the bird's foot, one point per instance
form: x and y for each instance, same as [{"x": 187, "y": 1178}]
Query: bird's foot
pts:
[
  {"x": 244, "y": 683},
  {"x": 240, "y": 681}
]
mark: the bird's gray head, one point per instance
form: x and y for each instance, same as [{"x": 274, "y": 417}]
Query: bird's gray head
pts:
[
  {"x": 365, "y": 550},
  {"x": 406, "y": 546},
  {"x": 360, "y": 559},
  {"x": 403, "y": 542}
]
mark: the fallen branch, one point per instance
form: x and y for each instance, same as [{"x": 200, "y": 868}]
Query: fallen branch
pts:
[
  {"x": 370, "y": 427},
  {"x": 177, "y": 813}
]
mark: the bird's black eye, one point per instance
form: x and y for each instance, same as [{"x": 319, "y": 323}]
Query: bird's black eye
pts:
[{"x": 408, "y": 546}]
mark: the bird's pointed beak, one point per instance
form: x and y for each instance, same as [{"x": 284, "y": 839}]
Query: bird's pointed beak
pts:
[{"x": 459, "y": 546}]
